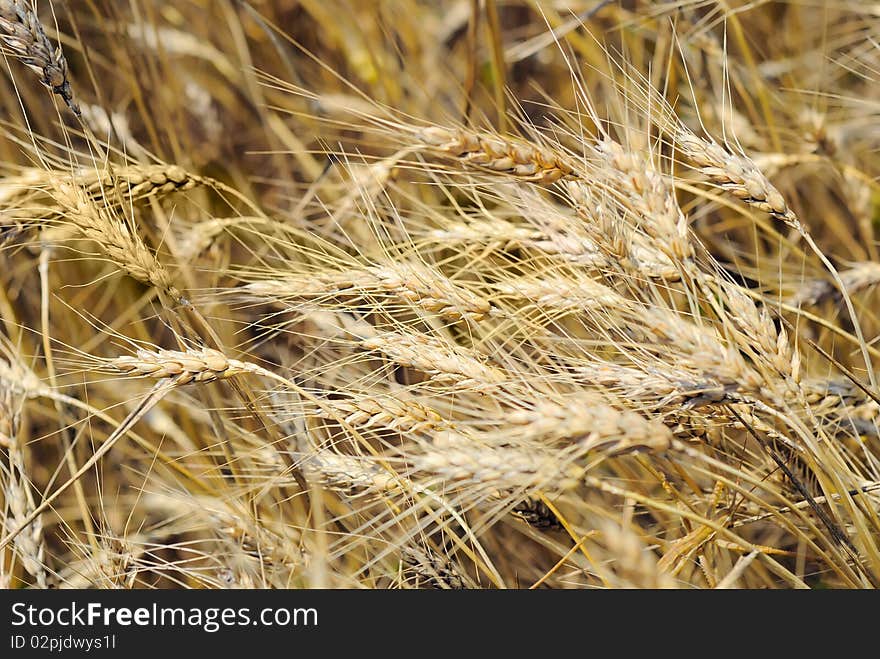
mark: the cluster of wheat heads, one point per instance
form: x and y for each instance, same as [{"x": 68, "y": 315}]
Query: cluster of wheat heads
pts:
[{"x": 404, "y": 294}]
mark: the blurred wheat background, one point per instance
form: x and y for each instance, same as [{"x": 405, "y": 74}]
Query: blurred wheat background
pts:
[{"x": 462, "y": 294}]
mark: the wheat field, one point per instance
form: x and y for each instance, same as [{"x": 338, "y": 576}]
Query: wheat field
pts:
[{"x": 460, "y": 294}]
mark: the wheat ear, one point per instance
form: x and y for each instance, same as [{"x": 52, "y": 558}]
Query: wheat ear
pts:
[
  {"x": 29, "y": 199},
  {"x": 444, "y": 362},
  {"x": 858, "y": 278},
  {"x": 495, "y": 153},
  {"x": 736, "y": 174},
  {"x": 23, "y": 34},
  {"x": 31, "y": 546},
  {"x": 389, "y": 411},
  {"x": 183, "y": 367},
  {"x": 411, "y": 283},
  {"x": 116, "y": 238}
]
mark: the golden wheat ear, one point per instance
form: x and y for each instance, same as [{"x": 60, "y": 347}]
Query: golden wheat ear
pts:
[{"x": 22, "y": 32}]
